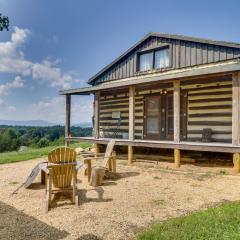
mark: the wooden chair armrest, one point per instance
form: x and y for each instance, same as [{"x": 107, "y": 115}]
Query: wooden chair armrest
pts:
[
  {"x": 91, "y": 154},
  {"x": 92, "y": 158}
]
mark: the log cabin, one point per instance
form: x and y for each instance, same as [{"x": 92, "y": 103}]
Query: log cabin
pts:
[{"x": 168, "y": 92}]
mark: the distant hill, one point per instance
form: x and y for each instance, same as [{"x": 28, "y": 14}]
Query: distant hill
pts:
[
  {"x": 32, "y": 123},
  {"x": 39, "y": 123}
]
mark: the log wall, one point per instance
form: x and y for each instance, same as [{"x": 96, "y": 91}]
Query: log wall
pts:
[{"x": 209, "y": 106}]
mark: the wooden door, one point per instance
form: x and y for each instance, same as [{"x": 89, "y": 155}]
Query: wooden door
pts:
[
  {"x": 158, "y": 117},
  {"x": 152, "y": 117}
]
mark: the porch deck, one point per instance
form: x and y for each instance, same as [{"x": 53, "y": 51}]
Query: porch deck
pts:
[{"x": 184, "y": 145}]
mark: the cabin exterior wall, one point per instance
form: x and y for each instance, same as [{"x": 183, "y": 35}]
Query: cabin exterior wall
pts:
[{"x": 209, "y": 105}]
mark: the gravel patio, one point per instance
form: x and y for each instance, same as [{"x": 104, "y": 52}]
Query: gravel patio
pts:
[{"x": 144, "y": 193}]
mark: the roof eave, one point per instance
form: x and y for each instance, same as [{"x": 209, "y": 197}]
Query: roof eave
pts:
[{"x": 190, "y": 72}]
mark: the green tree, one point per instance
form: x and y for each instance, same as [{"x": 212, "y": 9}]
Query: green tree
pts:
[{"x": 43, "y": 142}]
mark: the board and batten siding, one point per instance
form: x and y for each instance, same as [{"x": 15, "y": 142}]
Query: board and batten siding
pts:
[
  {"x": 182, "y": 54},
  {"x": 209, "y": 106}
]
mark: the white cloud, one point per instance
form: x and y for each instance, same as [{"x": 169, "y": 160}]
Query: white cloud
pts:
[
  {"x": 12, "y": 60},
  {"x": 6, "y": 107},
  {"x": 53, "y": 109},
  {"x": 45, "y": 71},
  {"x": 5, "y": 88}
]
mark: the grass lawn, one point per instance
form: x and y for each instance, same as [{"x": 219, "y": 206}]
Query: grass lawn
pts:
[
  {"x": 218, "y": 223},
  {"x": 31, "y": 153}
]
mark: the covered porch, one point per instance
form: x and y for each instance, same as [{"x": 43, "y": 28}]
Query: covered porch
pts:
[{"x": 208, "y": 120}]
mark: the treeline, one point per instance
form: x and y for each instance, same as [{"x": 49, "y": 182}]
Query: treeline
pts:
[{"x": 12, "y": 137}]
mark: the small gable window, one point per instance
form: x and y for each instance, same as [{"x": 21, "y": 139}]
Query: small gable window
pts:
[
  {"x": 154, "y": 59},
  {"x": 146, "y": 61},
  {"x": 162, "y": 58}
]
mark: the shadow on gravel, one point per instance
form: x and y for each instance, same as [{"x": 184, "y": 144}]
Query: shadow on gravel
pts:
[
  {"x": 89, "y": 237},
  {"x": 17, "y": 225}
]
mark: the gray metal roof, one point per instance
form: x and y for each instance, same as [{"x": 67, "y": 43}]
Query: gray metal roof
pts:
[{"x": 169, "y": 36}]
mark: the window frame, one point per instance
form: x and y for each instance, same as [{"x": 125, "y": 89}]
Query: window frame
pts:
[{"x": 154, "y": 50}]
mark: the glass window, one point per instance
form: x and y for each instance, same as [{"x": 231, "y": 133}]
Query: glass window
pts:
[
  {"x": 153, "y": 106},
  {"x": 152, "y": 125},
  {"x": 146, "y": 61},
  {"x": 162, "y": 58}
]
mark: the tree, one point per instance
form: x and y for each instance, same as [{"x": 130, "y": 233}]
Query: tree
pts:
[
  {"x": 43, "y": 142},
  {"x": 4, "y": 22}
]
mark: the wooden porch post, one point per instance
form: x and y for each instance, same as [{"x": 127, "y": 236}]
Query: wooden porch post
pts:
[
  {"x": 131, "y": 121},
  {"x": 96, "y": 114},
  {"x": 176, "y": 107},
  {"x": 96, "y": 120},
  {"x": 236, "y": 108},
  {"x": 236, "y": 119},
  {"x": 68, "y": 118}
]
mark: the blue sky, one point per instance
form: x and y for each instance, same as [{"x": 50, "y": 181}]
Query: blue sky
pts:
[{"x": 56, "y": 44}]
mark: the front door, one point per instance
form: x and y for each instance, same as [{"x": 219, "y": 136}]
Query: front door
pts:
[{"x": 158, "y": 117}]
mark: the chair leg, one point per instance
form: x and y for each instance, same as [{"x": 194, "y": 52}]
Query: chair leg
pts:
[
  {"x": 114, "y": 162},
  {"x": 74, "y": 186},
  {"x": 47, "y": 193}
]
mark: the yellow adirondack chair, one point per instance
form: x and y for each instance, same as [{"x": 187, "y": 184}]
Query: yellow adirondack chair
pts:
[{"x": 62, "y": 175}]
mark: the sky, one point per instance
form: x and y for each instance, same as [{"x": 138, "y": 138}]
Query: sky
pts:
[{"x": 54, "y": 44}]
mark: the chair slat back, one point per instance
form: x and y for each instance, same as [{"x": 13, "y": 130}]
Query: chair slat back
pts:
[
  {"x": 108, "y": 152},
  {"x": 62, "y": 172}
]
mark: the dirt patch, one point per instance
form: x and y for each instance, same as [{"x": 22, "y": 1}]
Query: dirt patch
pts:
[{"x": 144, "y": 193}]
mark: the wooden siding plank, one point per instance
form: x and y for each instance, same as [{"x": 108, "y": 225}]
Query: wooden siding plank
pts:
[
  {"x": 188, "y": 54},
  {"x": 210, "y": 54},
  {"x": 193, "y": 54},
  {"x": 182, "y": 54},
  {"x": 199, "y": 54}
]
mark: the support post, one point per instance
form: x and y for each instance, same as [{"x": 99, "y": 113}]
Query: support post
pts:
[
  {"x": 177, "y": 157},
  {"x": 236, "y": 162},
  {"x": 96, "y": 114},
  {"x": 130, "y": 154},
  {"x": 68, "y": 118},
  {"x": 176, "y": 106},
  {"x": 131, "y": 121},
  {"x": 236, "y": 108}
]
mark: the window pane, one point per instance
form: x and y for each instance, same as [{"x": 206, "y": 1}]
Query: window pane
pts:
[
  {"x": 146, "y": 61},
  {"x": 162, "y": 58},
  {"x": 152, "y": 125},
  {"x": 153, "y": 106}
]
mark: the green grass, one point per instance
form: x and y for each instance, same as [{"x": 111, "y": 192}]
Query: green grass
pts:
[
  {"x": 31, "y": 153},
  {"x": 220, "y": 223}
]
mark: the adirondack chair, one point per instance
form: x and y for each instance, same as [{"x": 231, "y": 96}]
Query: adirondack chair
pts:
[
  {"x": 62, "y": 174},
  {"x": 106, "y": 161}
]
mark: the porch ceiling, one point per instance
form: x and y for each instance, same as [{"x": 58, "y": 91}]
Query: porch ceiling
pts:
[{"x": 190, "y": 72}]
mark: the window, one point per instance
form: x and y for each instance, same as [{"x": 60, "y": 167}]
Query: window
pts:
[
  {"x": 162, "y": 58},
  {"x": 146, "y": 61},
  {"x": 155, "y": 59}
]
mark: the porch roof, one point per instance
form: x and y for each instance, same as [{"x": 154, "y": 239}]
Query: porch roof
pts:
[{"x": 189, "y": 72}]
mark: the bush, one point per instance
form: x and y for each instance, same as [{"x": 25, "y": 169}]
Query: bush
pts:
[{"x": 43, "y": 142}]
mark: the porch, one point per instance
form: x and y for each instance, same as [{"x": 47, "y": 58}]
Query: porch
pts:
[{"x": 212, "y": 104}]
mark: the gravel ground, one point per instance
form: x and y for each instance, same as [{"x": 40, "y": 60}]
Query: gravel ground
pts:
[{"x": 144, "y": 194}]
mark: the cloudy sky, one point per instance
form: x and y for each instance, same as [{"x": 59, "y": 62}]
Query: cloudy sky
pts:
[{"x": 53, "y": 44}]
